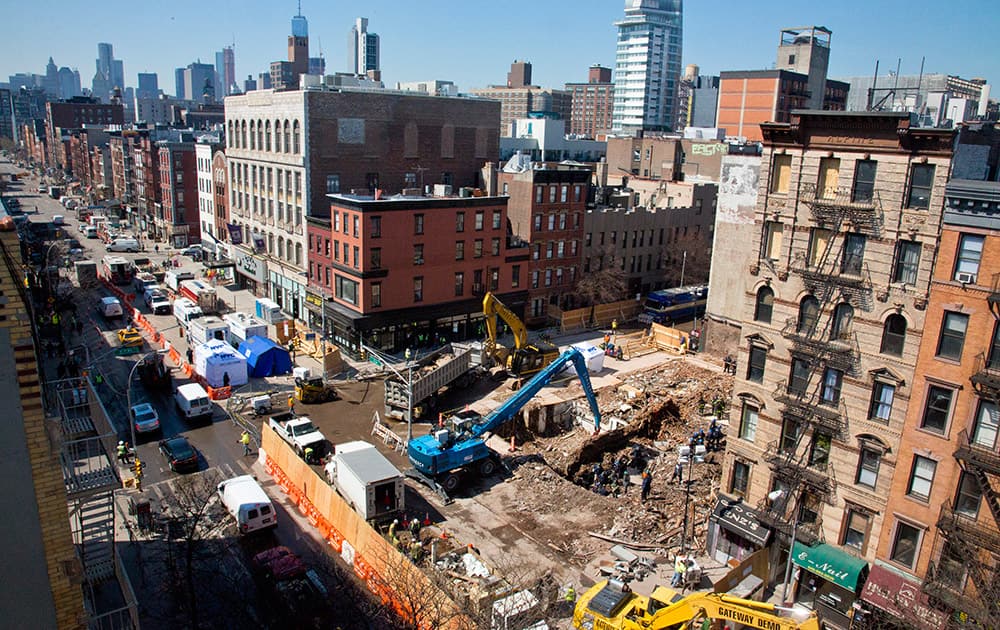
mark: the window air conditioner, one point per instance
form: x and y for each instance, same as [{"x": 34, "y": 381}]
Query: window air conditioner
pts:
[{"x": 965, "y": 277}]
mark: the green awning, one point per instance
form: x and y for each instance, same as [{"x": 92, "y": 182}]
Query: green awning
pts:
[{"x": 830, "y": 563}]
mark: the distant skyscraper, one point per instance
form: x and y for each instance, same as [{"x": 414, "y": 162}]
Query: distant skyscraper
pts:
[
  {"x": 148, "y": 85},
  {"x": 519, "y": 75},
  {"x": 195, "y": 82},
  {"x": 51, "y": 84},
  {"x": 250, "y": 84},
  {"x": 647, "y": 65},
  {"x": 179, "y": 83},
  {"x": 317, "y": 65},
  {"x": 69, "y": 83},
  {"x": 362, "y": 48},
  {"x": 225, "y": 69},
  {"x": 298, "y": 47},
  {"x": 110, "y": 73}
]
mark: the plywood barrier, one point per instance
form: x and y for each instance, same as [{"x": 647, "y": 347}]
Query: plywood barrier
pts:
[
  {"x": 669, "y": 339},
  {"x": 623, "y": 311},
  {"x": 387, "y": 573}
]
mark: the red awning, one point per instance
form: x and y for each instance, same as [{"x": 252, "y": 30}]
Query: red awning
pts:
[{"x": 901, "y": 597}]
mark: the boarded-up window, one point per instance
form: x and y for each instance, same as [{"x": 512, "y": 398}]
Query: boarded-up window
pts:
[
  {"x": 782, "y": 175},
  {"x": 829, "y": 175},
  {"x": 819, "y": 241},
  {"x": 772, "y": 239},
  {"x": 411, "y": 140},
  {"x": 482, "y": 141},
  {"x": 448, "y": 141}
]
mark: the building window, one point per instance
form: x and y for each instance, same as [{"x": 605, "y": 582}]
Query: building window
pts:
[
  {"x": 357, "y": 256},
  {"x": 418, "y": 289},
  {"x": 564, "y": 194},
  {"x": 781, "y": 175},
  {"x": 921, "y": 181},
  {"x": 459, "y": 250},
  {"x": 843, "y": 316},
  {"x": 952, "y": 335},
  {"x": 829, "y": 177},
  {"x": 534, "y": 279},
  {"x": 905, "y": 544},
  {"x": 375, "y": 225},
  {"x": 552, "y": 194},
  {"x": 515, "y": 276},
  {"x": 552, "y": 222},
  {"x": 993, "y": 354},
  {"x": 376, "y": 257},
  {"x": 938, "y": 409},
  {"x": 970, "y": 252},
  {"x": 495, "y": 247},
  {"x": 808, "y": 315},
  {"x": 791, "y": 431},
  {"x": 819, "y": 244},
  {"x": 969, "y": 496},
  {"x": 495, "y": 278},
  {"x": 984, "y": 432},
  {"x": 764, "y": 307},
  {"x": 538, "y": 222},
  {"x": 921, "y": 477},
  {"x": 894, "y": 335},
  {"x": 740, "y": 480},
  {"x": 357, "y": 225},
  {"x": 418, "y": 254},
  {"x": 418, "y": 224},
  {"x": 496, "y": 219},
  {"x": 819, "y": 451},
  {"x": 798, "y": 377},
  {"x": 773, "y": 233},
  {"x": 756, "y": 364},
  {"x": 376, "y": 294},
  {"x": 748, "y": 423},
  {"x": 854, "y": 254},
  {"x": 907, "y": 262},
  {"x": 864, "y": 181},
  {"x": 477, "y": 248},
  {"x": 459, "y": 283},
  {"x": 332, "y": 184},
  {"x": 868, "y": 464},
  {"x": 833, "y": 382},
  {"x": 855, "y": 530},
  {"x": 538, "y": 194},
  {"x": 347, "y": 290},
  {"x": 479, "y": 221},
  {"x": 880, "y": 407},
  {"x": 460, "y": 222}
]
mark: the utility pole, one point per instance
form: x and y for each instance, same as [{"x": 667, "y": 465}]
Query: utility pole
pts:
[{"x": 684, "y": 260}]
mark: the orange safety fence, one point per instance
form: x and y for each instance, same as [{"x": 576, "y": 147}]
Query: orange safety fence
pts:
[{"x": 220, "y": 393}]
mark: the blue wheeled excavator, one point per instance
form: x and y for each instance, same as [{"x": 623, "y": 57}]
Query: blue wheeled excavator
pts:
[{"x": 443, "y": 457}]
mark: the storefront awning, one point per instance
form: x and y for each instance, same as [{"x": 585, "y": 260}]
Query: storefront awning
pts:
[
  {"x": 831, "y": 564},
  {"x": 901, "y": 597},
  {"x": 741, "y": 519}
]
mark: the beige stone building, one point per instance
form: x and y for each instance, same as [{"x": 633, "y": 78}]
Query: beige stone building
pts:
[{"x": 847, "y": 218}]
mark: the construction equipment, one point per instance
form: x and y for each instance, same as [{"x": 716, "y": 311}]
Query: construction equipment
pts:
[
  {"x": 448, "y": 366},
  {"x": 441, "y": 458},
  {"x": 314, "y": 390},
  {"x": 524, "y": 359},
  {"x": 609, "y": 605},
  {"x": 154, "y": 374}
]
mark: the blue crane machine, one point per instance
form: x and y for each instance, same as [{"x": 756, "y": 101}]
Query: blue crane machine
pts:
[{"x": 444, "y": 456}]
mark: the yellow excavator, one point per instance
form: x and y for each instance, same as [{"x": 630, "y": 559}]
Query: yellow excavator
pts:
[
  {"x": 609, "y": 605},
  {"x": 523, "y": 359}
]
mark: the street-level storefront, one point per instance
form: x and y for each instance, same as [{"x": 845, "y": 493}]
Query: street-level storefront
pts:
[
  {"x": 287, "y": 291},
  {"x": 220, "y": 271},
  {"x": 251, "y": 271},
  {"x": 828, "y": 581},
  {"x": 735, "y": 531},
  {"x": 893, "y": 598}
]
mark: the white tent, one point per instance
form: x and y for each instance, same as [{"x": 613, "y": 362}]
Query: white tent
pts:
[{"x": 216, "y": 358}]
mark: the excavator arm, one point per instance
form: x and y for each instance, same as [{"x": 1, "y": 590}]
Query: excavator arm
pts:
[
  {"x": 492, "y": 308},
  {"x": 698, "y": 606}
]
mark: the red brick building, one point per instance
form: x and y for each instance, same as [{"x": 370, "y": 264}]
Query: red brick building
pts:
[
  {"x": 546, "y": 211},
  {"x": 591, "y": 103},
  {"x": 176, "y": 216},
  {"x": 74, "y": 114},
  {"x": 148, "y": 191},
  {"x": 409, "y": 271},
  {"x": 220, "y": 191}
]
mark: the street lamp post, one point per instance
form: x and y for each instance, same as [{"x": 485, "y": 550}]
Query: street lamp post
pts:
[
  {"x": 384, "y": 360},
  {"x": 696, "y": 456},
  {"x": 775, "y": 496}
]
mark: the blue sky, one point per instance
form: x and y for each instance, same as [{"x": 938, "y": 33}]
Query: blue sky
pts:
[{"x": 472, "y": 42}]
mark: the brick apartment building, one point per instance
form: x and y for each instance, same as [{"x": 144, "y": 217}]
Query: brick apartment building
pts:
[
  {"x": 148, "y": 190},
  {"x": 519, "y": 98},
  {"x": 220, "y": 202},
  {"x": 409, "y": 271},
  {"x": 175, "y": 218},
  {"x": 591, "y": 103},
  {"x": 74, "y": 114},
  {"x": 547, "y": 204},
  {"x": 288, "y": 150},
  {"x": 943, "y": 528},
  {"x": 846, "y": 223}
]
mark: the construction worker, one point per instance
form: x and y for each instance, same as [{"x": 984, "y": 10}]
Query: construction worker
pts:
[
  {"x": 122, "y": 452},
  {"x": 308, "y": 454},
  {"x": 415, "y": 529},
  {"x": 626, "y": 481},
  {"x": 678, "y": 475},
  {"x": 416, "y": 551},
  {"x": 680, "y": 568},
  {"x": 291, "y": 403},
  {"x": 570, "y": 596},
  {"x": 392, "y": 528},
  {"x": 245, "y": 441},
  {"x": 647, "y": 484}
]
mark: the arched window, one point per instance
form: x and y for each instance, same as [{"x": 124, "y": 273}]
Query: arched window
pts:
[
  {"x": 894, "y": 335},
  {"x": 765, "y": 305},
  {"x": 281, "y": 247},
  {"x": 229, "y": 136},
  {"x": 253, "y": 135},
  {"x": 243, "y": 135},
  {"x": 295, "y": 138},
  {"x": 808, "y": 315},
  {"x": 843, "y": 315},
  {"x": 298, "y": 253},
  {"x": 277, "y": 136},
  {"x": 288, "y": 138},
  {"x": 260, "y": 136},
  {"x": 267, "y": 135}
]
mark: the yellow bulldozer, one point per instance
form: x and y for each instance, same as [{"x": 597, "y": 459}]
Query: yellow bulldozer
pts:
[{"x": 314, "y": 390}]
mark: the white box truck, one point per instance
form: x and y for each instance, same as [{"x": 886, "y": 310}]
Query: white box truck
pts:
[
  {"x": 242, "y": 326},
  {"x": 268, "y": 310},
  {"x": 368, "y": 481},
  {"x": 205, "y": 329}
]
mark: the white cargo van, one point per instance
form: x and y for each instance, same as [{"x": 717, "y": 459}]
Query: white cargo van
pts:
[
  {"x": 173, "y": 279},
  {"x": 185, "y": 310},
  {"x": 192, "y": 401},
  {"x": 111, "y": 307},
  {"x": 247, "y": 502},
  {"x": 123, "y": 244}
]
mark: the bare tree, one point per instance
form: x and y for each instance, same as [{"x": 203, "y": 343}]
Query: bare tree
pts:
[
  {"x": 607, "y": 284},
  {"x": 690, "y": 257}
]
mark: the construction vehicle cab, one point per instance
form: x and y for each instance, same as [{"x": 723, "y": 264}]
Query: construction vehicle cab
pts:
[
  {"x": 608, "y": 605},
  {"x": 523, "y": 359},
  {"x": 314, "y": 390}
]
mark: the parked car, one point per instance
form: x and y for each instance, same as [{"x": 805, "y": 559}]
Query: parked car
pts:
[
  {"x": 194, "y": 251},
  {"x": 180, "y": 455},
  {"x": 145, "y": 418}
]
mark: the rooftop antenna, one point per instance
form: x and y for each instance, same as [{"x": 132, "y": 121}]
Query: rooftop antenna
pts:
[{"x": 300, "y": 8}]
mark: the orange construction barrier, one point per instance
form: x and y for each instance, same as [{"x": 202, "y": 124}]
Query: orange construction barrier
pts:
[{"x": 335, "y": 538}]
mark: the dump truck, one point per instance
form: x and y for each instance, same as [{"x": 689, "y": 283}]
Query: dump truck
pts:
[
  {"x": 370, "y": 484},
  {"x": 449, "y": 366},
  {"x": 299, "y": 432}
]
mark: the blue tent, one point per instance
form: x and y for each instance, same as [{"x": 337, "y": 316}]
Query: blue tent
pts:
[{"x": 265, "y": 358}]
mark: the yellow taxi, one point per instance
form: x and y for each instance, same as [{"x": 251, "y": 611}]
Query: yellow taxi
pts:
[{"x": 130, "y": 338}]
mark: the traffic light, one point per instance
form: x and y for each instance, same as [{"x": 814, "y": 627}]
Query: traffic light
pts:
[{"x": 138, "y": 468}]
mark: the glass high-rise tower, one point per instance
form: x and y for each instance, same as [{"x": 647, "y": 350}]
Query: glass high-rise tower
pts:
[{"x": 647, "y": 65}]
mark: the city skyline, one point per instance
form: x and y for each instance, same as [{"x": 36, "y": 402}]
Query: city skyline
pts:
[{"x": 420, "y": 45}]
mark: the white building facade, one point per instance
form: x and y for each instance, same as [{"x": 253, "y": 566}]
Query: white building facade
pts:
[{"x": 647, "y": 65}]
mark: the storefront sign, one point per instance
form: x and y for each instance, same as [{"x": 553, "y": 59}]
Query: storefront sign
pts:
[
  {"x": 902, "y": 598},
  {"x": 741, "y": 519},
  {"x": 251, "y": 266},
  {"x": 830, "y": 563},
  {"x": 314, "y": 299}
]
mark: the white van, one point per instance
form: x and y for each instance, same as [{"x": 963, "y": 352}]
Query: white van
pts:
[
  {"x": 123, "y": 244},
  {"x": 185, "y": 310},
  {"x": 89, "y": 231},
  {"x": 193, "y": 402},
  {"x": 248, "y": 504},
  {"x": 110, "y": 307},
  {"x": 173, "y": 279}
]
